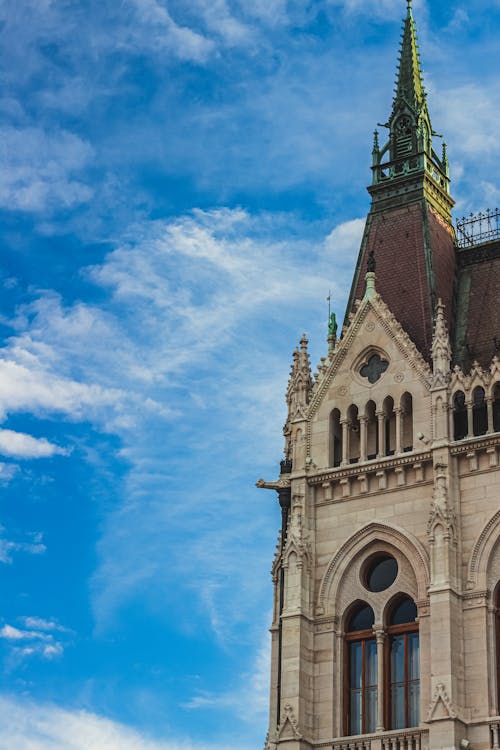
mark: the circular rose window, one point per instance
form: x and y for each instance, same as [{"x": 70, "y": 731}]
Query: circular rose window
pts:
[{"x": 379, "y": 572}]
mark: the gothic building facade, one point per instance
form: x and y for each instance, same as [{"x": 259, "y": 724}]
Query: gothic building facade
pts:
[{"x": 386, "y": 626}]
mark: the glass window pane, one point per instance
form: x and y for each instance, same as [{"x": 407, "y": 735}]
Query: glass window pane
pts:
[
  {"x": 355, "y": 666},
  {"x": 371, "y": 709},
  {"x": 397, "y": 659},
  {"x": 397, "y": 707},
  {"x": 371, "y": 663},
  {"x": 382, "y": 572},
  {"x": 356, "y": 716},
  {"x": 413, "y": 657},
  {"x": 414, "y": 704},
  {"x": 404, "y": 612},
  {"x": 362, "y": 619}
]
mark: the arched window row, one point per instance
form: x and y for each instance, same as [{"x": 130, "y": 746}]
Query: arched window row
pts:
[
  {"x": 382, "y": 669},
  {"x": 478, "y": 415},
  {"x": 364, "y": 435}
]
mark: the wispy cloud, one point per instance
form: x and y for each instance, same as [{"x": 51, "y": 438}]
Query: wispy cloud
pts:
[
  {"x": 27, "y": 725},
  {"x": 20, "y": 445},
  {"x": 42, "y": 172},
  {"x": 33, "y": 545},
  {"x": 37, "y": 638}
]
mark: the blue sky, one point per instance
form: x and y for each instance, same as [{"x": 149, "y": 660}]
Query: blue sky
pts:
[{"x": 181, "y": 184}]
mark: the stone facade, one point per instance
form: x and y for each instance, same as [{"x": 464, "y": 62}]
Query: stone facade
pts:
[{"x": 391, "y": 452}]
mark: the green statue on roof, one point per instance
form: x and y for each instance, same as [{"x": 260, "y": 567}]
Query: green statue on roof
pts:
[{"x": 332, "y": 325}]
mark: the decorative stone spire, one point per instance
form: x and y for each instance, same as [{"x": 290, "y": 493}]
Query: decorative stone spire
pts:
[
  {"x": 300, "y": 382},
  {"x": 441, "y": 349},
  {"x": 409, "y": 83},
  {"x": 370, "y": 276}
]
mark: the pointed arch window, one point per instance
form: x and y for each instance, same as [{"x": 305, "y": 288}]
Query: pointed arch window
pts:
[
  {"x": 496, "y": 408},
  {"x": 479, "y": 412},
  {"x": 460, "y": 426},
  {"x": 361, "y": 685},
  {"x": 403, "y": 666}
]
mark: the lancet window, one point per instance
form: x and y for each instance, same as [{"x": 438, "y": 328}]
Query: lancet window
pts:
[
  {"x": 497, "y": 640},
  {"x": 496, "y": 408},
  {"x": 403, "y": 667},
  {"x": 361, "y": 688},
  {"x": 460, "y": 426},
  {"x": 479, "y": 412}
]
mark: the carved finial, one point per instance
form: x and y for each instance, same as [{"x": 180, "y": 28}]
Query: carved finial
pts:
[
  {"x": 371, "y": 263},
  {"x": 441, "y": 349},
  {"x": 300, "y": 383}
]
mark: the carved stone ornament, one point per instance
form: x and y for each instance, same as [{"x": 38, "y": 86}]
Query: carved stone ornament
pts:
[
  {"x": 270, "y": 743},
  {"x": 441, "y": 350},
  {"x": 288, "y": 729},
  {"x": 441, "y": 512},
  {"x": 297, "y": 541},
  {"x": 300, "y": 383},
  {"x": 441, "y": 706},
  {"x": 280, "y": 484}
]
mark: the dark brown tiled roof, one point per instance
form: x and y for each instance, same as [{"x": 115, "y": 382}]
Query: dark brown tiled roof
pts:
[{"x": 478, "y": 305}]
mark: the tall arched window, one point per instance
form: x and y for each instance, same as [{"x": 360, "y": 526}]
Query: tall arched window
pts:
[
  {"x": 496, "y": 408},
  {"x": 354, "y": 434},
  {"x": 460, "y": 427},
  {"x": 403, "y": 666},
  {"x": 371, "y": 430},
  {"x": 407, "y": 422},
  {"x": 390, "y": 426},
  {"x": 360, "y": 699},
  {"x": 479, "y": 412},
  {"x": 336, "y": 438}
]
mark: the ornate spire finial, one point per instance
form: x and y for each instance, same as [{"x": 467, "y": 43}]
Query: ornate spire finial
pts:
[
  {"x": 441, "y": 349},
  {"x": 371, "y": 262},
  {"x": 409, "y": 85}
]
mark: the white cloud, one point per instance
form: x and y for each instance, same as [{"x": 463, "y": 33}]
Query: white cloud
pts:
[
  {"x": 33, "y": 547},
  {"x": 344, "y": 242},
  {"x": 184, "y": 323},
  {"x": 39, "y": 172},
  {"x": 160, "y": 31},
  {"x": 38, "y": 623},
  {"x": 20, "y": 445},
  {"x": 27, "y": 725},
  {"x": 7, "y": 472},
  {"x": 36, "y": 639}
]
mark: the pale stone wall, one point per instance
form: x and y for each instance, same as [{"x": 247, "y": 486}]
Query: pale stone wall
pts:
[{"x": 436, "y": 509}]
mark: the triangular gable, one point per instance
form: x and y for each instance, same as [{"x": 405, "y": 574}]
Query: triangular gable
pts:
[
  {"x": 288, "y": 729},
  {"x": 394, "y": 331},
  {"x": 441, "y": 706}
]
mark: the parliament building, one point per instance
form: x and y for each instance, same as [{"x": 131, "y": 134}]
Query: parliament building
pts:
[{"x": 386, "y": 623}]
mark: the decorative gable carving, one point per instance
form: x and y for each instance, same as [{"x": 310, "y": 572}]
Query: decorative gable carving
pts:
[
  {"x": 441, "y": 706},
  {"x": 288, "y": 729},
  {"x": 331, "y": 364}
]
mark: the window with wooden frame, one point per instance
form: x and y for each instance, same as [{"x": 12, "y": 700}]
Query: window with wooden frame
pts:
[
  {"x": 360, "y": 672},
  {"x": 402, "y": 666}
]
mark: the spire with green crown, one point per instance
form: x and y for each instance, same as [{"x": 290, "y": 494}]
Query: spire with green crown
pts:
[
  {"x": 409, "y": 84},
  {"x": 408, "y": 154}
]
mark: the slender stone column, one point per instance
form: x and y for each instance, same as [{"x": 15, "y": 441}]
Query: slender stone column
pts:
[
  {"x": 470, "y": 422},
  {"x": 345, "y": 441},
  {"x": 380, "y": 636},
  {"x": 489, "y": 406},
  {"x": 399, "y": 419},
  {"x": 381, "y": 434},
  {"x": 362, "y": 437}
]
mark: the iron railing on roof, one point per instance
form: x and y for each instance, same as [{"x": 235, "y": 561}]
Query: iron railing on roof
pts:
[{"x": 477, "y": 228}]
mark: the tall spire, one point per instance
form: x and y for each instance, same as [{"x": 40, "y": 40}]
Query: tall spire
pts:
[{"x": 409, "y": 84}]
